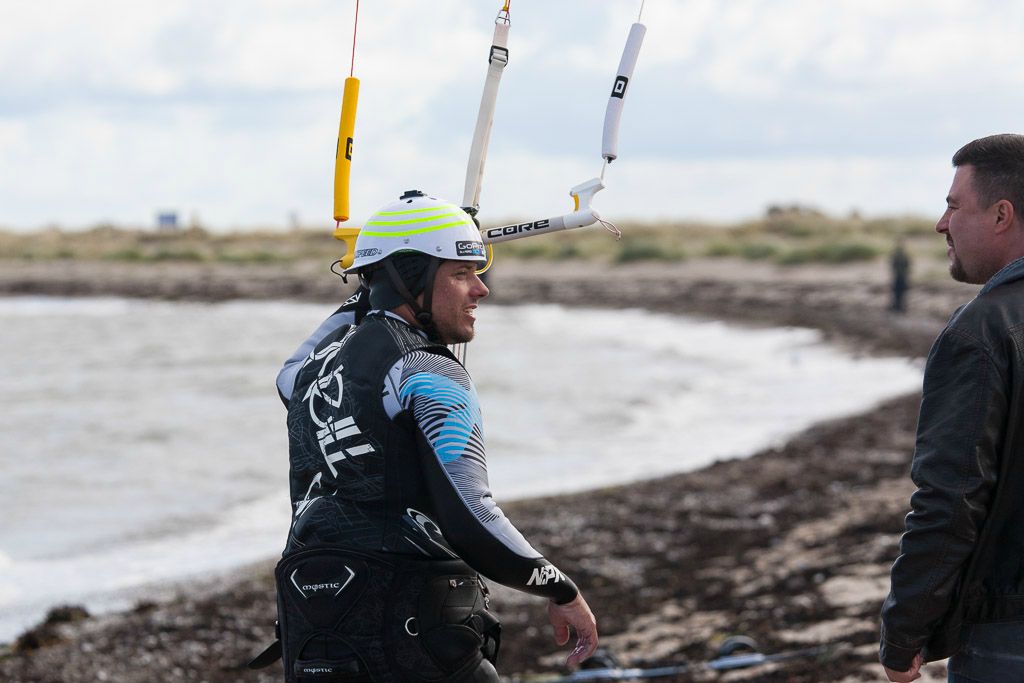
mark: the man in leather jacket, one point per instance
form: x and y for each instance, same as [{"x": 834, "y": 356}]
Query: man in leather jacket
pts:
[{"x": 958, "y": 584}]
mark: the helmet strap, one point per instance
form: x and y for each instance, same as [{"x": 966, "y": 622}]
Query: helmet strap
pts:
[{"x": 423, "y": 315}]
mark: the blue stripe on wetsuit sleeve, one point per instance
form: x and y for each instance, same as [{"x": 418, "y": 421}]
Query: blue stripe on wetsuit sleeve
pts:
[{"x": 450, "y": 416}]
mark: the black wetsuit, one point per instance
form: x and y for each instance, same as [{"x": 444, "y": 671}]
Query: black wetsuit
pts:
[{"x": 387, "y": 459}]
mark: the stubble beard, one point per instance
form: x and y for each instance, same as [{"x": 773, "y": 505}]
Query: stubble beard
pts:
[
  {"x": 957, "y": 272},
  {"x": 466, "y": 337},
  {"x": 960, "y": 274},
  {"x": 456, "y": 335},
  {"x": 956, "y": 266}
]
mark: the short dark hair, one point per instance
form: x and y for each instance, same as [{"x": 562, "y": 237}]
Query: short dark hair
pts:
[
  {"x": 413, "y": 270},
  {"x": 998, "y": 162}
]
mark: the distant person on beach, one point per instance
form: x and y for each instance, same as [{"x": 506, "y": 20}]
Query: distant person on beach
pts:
[
  {"x": 393, "y": 514},
  {"x": 957, "y": 587},
  {"x": 900, "y": 263}
]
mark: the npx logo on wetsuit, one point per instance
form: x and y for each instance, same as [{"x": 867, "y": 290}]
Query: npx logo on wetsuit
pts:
[{"x": 542, "y": 576}]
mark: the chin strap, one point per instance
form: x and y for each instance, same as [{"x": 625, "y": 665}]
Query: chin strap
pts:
[{"x": 423, "y": 314}]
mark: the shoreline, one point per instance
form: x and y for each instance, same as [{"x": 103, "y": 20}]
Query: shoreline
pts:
[
  {"x": 848, "y": 303},
  {"x": 790, "y": 545}
]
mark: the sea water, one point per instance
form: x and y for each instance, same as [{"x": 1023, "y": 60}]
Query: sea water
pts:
[{"x": 144, "y": 442}]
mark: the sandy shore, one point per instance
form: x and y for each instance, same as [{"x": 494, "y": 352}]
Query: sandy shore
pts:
[{"x": 790, "y": 546}]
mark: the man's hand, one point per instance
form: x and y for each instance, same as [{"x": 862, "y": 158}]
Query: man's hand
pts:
[
  {"x": 578, "y": 615},
  {"x": 911, "y": 674}
]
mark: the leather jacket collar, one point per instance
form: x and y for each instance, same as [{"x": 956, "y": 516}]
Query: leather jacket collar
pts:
[{"x": 1014, "y": 270}]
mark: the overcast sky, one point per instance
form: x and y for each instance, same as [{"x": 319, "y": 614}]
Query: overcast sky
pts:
[{"x": 228, "y": 110}]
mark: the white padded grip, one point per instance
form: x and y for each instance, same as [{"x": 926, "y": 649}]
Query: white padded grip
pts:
[{"x": 613, "y": 113}]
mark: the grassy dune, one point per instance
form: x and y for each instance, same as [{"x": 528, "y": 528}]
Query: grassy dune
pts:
[{"x": 784, "y": 237}]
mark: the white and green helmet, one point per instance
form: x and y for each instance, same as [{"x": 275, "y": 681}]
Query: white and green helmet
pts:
[{"x": 418, "y": 223}]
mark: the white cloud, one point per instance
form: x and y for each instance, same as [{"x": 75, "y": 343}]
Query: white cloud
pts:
[
  {"x": 113, "y": 110},
  {"x": 724, "y": 189},
  {"x": 84, "y": 44}
]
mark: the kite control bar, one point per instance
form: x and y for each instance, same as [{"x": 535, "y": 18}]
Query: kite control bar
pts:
[{"x": 583, "y": 215}]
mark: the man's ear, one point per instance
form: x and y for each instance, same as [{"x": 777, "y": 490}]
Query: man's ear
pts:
[{"x": 1005, "y": 215}]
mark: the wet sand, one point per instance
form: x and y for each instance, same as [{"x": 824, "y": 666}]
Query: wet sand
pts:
[{"x": 790, "y": 546}]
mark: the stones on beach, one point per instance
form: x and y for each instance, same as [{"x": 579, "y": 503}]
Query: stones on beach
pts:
[{"x": 48, "y": 631}]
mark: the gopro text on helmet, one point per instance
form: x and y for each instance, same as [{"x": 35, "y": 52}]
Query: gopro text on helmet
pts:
[{"x": 469, "y": 248}]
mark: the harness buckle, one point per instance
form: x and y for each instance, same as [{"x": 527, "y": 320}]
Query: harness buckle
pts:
[{"x": 500, "y": 53}]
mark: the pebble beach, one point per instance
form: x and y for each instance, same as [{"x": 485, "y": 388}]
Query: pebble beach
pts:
[{"x": 790, "y": 546}]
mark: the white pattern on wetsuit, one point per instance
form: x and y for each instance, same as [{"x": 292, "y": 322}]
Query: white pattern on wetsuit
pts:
[{"x": 444, "y": 403}]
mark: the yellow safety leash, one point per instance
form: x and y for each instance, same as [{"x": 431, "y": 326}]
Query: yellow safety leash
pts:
[{"x": 343, "y": 155}]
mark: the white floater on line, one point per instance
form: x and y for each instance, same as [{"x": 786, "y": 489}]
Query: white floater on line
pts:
[{"x": 613, "y": 113}]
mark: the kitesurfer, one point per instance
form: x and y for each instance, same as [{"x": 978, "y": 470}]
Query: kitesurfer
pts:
[{"x": 393, "y": 515}]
